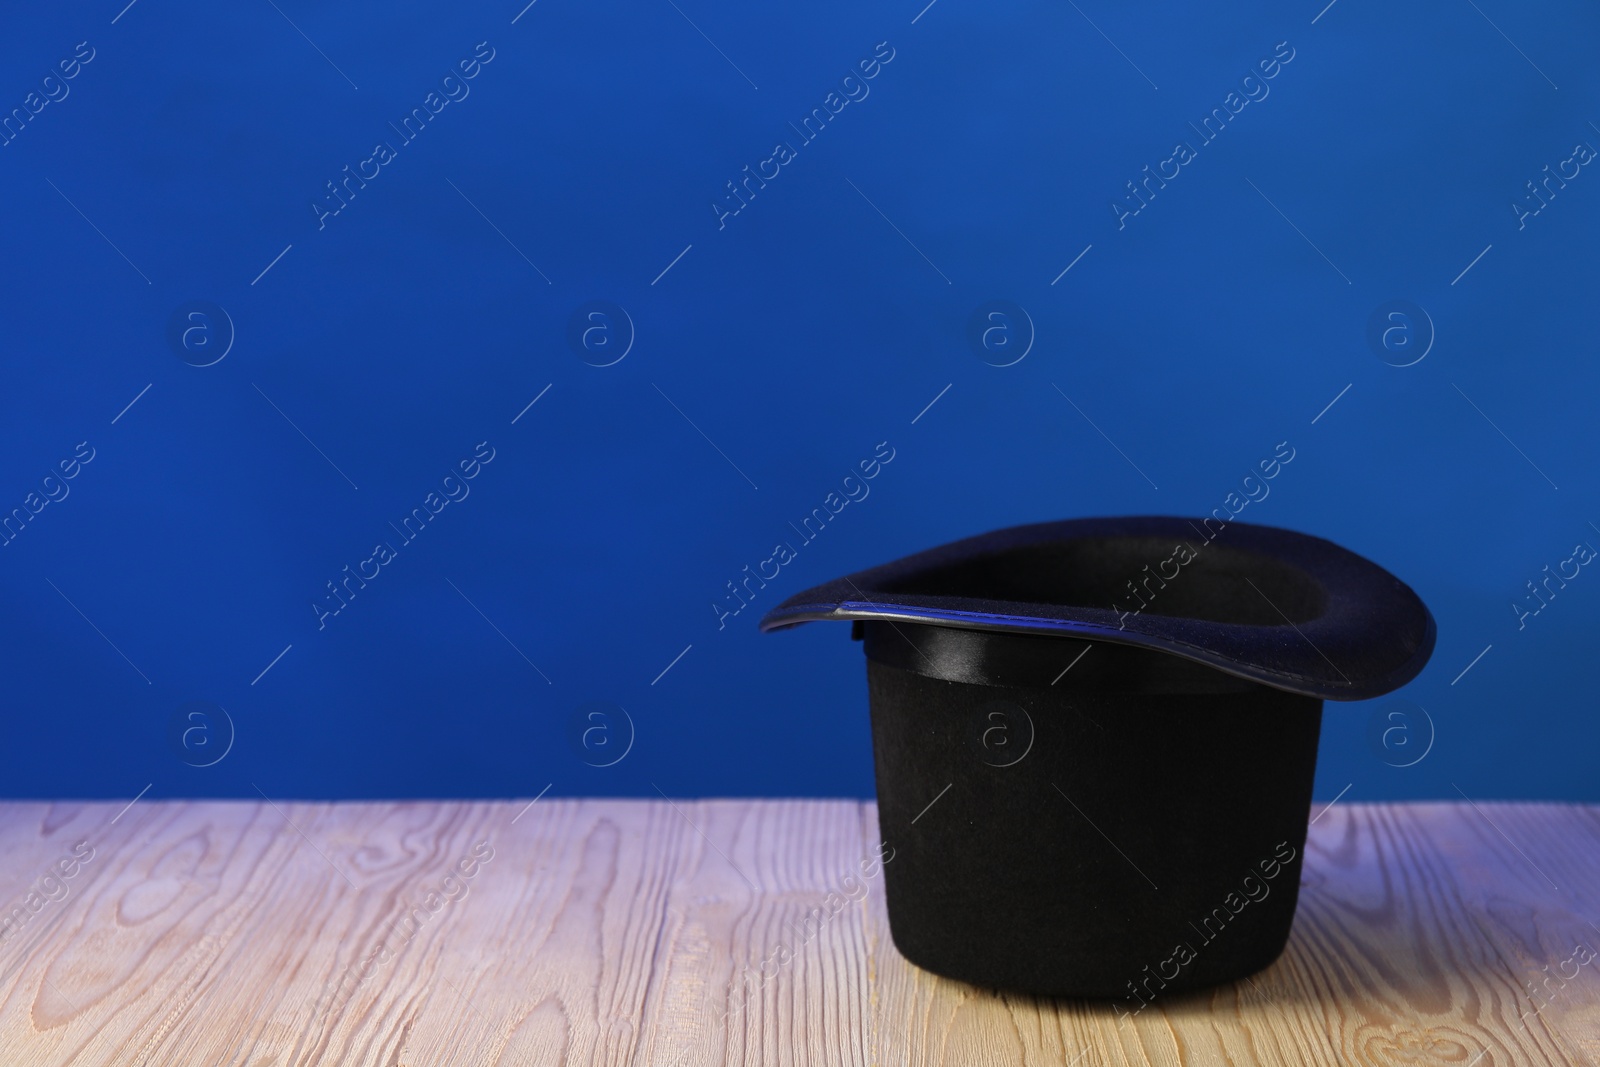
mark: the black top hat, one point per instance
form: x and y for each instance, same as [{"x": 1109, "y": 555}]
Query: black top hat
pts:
[{"x": 1131, "y": 825}]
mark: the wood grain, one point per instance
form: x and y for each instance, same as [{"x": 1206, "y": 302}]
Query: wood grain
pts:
[{"x": 686, "y": 934}]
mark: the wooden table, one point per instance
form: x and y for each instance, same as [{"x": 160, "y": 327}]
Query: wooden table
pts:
[{"x": 423, "y": 934}]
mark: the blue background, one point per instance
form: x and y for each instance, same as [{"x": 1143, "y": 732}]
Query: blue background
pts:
[{"x": 770, "y": 354}]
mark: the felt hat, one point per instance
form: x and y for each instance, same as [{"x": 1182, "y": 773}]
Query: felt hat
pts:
[{"x": 1095, "y": 740}]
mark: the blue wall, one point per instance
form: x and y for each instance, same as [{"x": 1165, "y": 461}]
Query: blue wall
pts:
[{"x": 169, "y": 621}]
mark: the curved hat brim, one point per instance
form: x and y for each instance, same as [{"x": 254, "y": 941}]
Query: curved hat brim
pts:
[{"x": 1274, "y": 606}]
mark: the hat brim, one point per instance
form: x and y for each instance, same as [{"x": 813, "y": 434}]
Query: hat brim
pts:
[{"x": 1273, "y": 606}]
